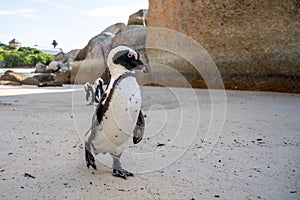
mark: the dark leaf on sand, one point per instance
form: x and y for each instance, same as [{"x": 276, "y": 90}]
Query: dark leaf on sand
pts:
[
  {"x": 28, "y": 175},
  {"x": 160, "y": 144}
]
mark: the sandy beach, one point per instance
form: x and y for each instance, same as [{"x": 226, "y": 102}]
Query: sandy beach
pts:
[{"x": 198, "y": 144}]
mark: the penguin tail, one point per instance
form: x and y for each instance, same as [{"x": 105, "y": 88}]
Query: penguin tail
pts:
[{"x": 89, "y": 159}]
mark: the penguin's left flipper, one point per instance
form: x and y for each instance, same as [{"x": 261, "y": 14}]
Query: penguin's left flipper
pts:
[
  {"x": 122, "y": 173},
  {"x": 90, "y": 160},
  {"x": 139, "y": 128}
]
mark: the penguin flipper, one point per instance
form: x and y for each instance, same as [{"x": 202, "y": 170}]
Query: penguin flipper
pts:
[{"x": 138, "y": 131}]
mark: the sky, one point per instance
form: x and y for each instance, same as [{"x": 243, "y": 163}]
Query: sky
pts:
[{"x": 72, "y": 23}]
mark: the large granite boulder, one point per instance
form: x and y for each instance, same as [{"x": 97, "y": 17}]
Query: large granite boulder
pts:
[
  {"x": 255, "y": 44},
  {"x": 139, "y": 18},
  {"x": 68, "y": 57},
  {"x": 90, "y": 62},
  {"x": 95, "y": 47},
  {"x": 135, "y": 36}
]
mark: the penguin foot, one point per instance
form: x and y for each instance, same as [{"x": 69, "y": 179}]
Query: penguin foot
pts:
[
  {"x": 90, "y": 160},
  {"x": 122, "y": 173}
]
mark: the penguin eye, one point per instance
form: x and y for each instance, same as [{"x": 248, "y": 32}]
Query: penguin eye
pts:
[{"x": 129, "y": 55}]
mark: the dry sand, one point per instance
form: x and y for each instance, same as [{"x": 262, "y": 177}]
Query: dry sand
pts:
[{"x": 256, "y": 156}]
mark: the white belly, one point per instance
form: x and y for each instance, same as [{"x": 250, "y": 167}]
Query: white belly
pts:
[{"x": 120, "y": 118}]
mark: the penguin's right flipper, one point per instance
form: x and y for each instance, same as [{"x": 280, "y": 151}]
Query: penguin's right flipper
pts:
[{"x": 89, "y": 159}]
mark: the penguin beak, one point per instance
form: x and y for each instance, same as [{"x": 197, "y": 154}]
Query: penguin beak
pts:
[
  {"x": 140, "y": 65},
  {"x": 145, "y": 69}
]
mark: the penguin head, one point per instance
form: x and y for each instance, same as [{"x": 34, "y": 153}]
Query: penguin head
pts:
[
  {"x": 99, "y": 81},
  {"x": 125, "y": 57}
]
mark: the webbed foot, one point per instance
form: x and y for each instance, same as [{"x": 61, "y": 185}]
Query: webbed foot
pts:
[{"x": 122, "y": 173}]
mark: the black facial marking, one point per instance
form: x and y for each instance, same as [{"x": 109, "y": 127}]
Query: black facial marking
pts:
[{"x": 122, "y": 58}]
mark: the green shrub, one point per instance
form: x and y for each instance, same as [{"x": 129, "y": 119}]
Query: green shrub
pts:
[{"x": 24, "y": 56}]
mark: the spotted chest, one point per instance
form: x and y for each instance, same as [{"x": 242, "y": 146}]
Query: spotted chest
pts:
[
  {"x": 121, "y": 116},
  {"x": 125, "y": 104}
]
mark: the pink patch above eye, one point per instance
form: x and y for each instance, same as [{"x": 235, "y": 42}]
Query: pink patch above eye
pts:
[{"x": 133, "y": 54}]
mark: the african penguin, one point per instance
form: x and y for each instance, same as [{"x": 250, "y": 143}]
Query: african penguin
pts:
[
  {"x": 93, "y": 93},
  {"x": 89, "y": 93},
  {"x": 118, "y": 115},
  {"x": 98, "y": 89}
]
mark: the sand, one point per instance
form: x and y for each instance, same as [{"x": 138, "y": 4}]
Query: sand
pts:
[{"x": 196, "y": 146}]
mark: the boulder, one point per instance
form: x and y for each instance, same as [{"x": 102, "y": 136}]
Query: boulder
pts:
[
  {"x": 17, "y": 77},
  {"x": 90, "y": 62},
  {"x": 135, "y": 36},
  {"x": 30, "y": 81},
  {"x": 40, "y": 68},
  {"x": 139, "y": 18},
  {"x": 62, "y": 77},
  {"x": 9, "y": 76},
  {"x": 54, "y": 66},
  {"x": 255, "y": 44},
  {"x": 44, "y": 77},
  {"x": 88, "y": 71},
  {"x": 99, "y": 44},
  {"x": 8, "y": 82},
  {"x": 60, "y": 56},
  {"x": 70, "y": 56}
]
